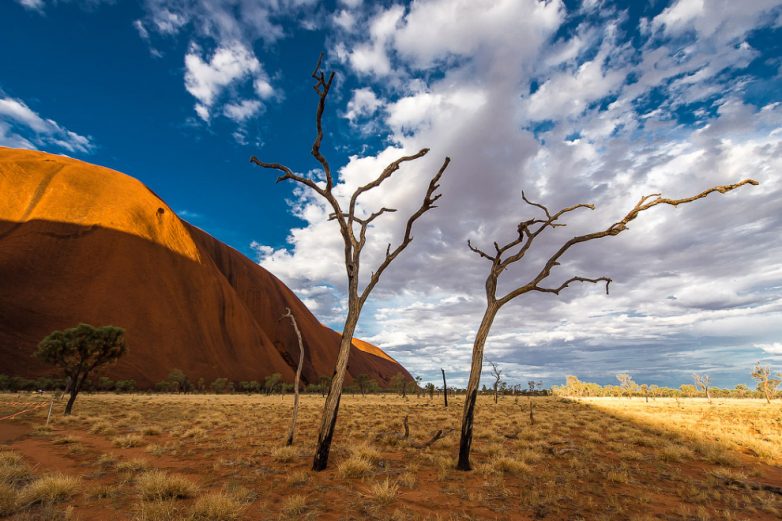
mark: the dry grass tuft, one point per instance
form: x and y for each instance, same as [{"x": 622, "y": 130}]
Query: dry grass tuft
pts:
[
  {"x": 128, "y": 440},
  {"x": 52, "y": 488},
  {"x": 294, "y": 505},
  {"x": 383, "y": 492},
  {"x": 216, "y": 506},
  {"x": 158, "y": 485},
  {"x": 7, "y": 500},
  {"x": 284, "y": 454},
  {"x": 354, "y": 467},
  {"x": 13, "y": 469}
]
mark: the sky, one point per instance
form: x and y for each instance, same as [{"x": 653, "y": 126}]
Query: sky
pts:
[{"x": 573, "y": 102}]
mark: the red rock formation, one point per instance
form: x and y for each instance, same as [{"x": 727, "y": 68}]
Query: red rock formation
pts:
[{"x": 82, "y": 243}]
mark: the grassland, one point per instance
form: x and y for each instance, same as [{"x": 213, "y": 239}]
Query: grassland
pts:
[{"x": 215, "y": 457}]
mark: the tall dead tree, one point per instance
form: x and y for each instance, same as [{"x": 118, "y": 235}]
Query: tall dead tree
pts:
[
  {"x": 295, "y": 414},
  {"x": 445, "y": 388},
  {"x": 507, "y": 254},
  {"x": 353, "y": 227}
]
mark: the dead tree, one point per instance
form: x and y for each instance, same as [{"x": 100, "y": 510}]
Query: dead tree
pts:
[
  {"x": 505, "y": 255},
  {"x": 394, "y": 437},
  {"x": 445, "y": 388},
  {"x": 625, "y": 380},
  {"x": 532, "y": 385},
  {"x": 292, "y": 429},
  {"x": 703, "y": 383},
  {"x": 496, "y": 372},
  {"x": 766, "y": 383},
  {"x": 353, "y": 226}
]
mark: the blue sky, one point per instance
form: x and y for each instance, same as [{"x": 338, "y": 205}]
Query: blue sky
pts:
[{"x": 595, "y": 101}]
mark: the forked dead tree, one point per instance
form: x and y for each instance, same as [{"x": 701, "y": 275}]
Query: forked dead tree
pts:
[
  {"x": 353, "y": 226},
  {"x": 295, "y": 414},
  {"x": 505, "y": 255},
  {"x": 626, "y": 382},
  {"x": 767, "y": 383},
  {"x": 703, "y": 383}
]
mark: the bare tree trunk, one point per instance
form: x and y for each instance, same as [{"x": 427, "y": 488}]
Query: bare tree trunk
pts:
[
  {"x": 472, "y": 385},
  {"x": 331, "y": 407},
  {"x": 445, "y": 388},
  {"x": 531, "y": 412},
  {"x": 292, "y": 429}
]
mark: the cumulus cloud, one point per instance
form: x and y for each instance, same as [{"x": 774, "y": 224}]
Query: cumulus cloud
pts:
[
  {"x": 207, "y": 79},
  {"x": 587, "y": 114},
  {"x": 22, "y": 127},
  {"x": 363, "y": 104},
  {"x": 33, "y": 5},
  {"x": 222, "y": 70}
]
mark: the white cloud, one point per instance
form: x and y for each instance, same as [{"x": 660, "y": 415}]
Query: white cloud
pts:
[
  {"x": 207, "y": 79},
  {"x": 363, "y": 104},
  {"x": 231, "y": 28},
  {"x": 371, "y": 57},
  {"x": 774, "y": 348},
  {"x": 22, "y": 127},
  {"x": 33, "y": 5},
  {"x": 243, "y": 110},
  {"x": 701, "y": 280}
]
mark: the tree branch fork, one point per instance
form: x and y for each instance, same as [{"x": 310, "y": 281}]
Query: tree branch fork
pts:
[{"x": 507, "y": 254}]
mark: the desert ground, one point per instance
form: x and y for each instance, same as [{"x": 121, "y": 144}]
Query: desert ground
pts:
[{"x": 215, "y": 457}]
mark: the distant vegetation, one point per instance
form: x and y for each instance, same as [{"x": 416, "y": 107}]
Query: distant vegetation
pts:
[{"x": 767, "y": 387}]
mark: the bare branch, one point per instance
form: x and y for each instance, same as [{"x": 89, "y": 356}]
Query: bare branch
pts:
[
  {"x": 385, "y": 174},
  {"x": 524, "y": 198},
  {"x": 377, "y": 214},
  {"x": 288, "y": 174},
  {"x": 481, "y": 252},
  {"x": 527, "y": 236},
  {"x": 440, "y": 434},
  {"x": 322, "y": 87},
  {"x": 618, "y": 227},
  {"x": 427, "y": 204},
  {"x": 571, "y": 280}
]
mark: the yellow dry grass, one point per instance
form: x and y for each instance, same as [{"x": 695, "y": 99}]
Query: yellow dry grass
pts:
[{"x": 222, "y": 457}]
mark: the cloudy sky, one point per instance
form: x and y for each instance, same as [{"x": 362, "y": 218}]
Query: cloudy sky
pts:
[{"x": 573, "y": 102}]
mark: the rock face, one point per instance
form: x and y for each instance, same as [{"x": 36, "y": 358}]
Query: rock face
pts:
[{"x": 82, "y": 243}]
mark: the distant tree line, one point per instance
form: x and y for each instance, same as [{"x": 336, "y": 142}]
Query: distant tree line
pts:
[{"x": 767, "y": 387}]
